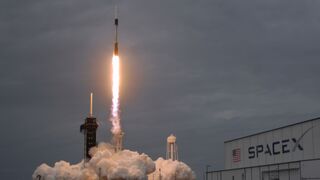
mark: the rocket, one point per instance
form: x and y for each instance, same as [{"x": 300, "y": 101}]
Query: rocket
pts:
[
  {"x": 116, "y": 23},
  {"x": 117, "y": 134}
]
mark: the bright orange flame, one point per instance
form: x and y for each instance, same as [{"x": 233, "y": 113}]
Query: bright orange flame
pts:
[{"x": 115, "y": 119}]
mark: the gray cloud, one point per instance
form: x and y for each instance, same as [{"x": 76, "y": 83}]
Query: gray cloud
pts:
[{"x": 207, "y": 71}]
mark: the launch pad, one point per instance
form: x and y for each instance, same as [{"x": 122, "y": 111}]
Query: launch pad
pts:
[{"x": 90, "y": 125}]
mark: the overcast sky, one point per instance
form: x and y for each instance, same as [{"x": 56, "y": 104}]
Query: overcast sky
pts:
[{"x": 207, "y": 71}]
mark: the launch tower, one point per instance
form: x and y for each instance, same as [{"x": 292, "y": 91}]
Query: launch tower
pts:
[
  {"x": 89, "y": 129},
  {"x": 117, "y": 141}
]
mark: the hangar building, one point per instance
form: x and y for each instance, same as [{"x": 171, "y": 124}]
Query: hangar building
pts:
[{"x": 287, "y": 153}]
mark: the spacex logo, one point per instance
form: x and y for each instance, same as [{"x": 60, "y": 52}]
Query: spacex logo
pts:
[
  {"x": 277, "y": 147},
  {"x": 297, "y": 142}
]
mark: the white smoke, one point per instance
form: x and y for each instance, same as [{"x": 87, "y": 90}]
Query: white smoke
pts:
[
  {"x": 171, "y": 170},
  {"x": 63, "y": 170},
  {"x": 105, "y": 163}
]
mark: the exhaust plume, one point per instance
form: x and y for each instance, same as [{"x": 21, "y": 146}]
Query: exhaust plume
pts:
[{"x": 115, "y": 115}]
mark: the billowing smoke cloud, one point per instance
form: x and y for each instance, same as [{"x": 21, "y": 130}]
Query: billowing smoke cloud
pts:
[
  {"x": 63, "y": 170},
  {"x": 105, "y": 163},
  {"x": 171, "y": 170}
]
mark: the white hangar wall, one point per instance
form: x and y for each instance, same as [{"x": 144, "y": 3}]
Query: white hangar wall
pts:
[
  {"x": 287, "y": 144},
  {"x": 302, "y": 170},
  {"x": 287, "y": 153}
]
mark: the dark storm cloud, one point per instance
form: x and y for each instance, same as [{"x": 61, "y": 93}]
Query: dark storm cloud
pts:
[{"x": 205, "y": 70}]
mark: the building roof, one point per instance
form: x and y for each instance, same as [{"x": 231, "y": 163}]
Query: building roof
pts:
[{"x": 272, "y": 129}]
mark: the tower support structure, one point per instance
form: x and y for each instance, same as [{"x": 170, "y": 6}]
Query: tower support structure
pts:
[{"x": 117, "y": 141}]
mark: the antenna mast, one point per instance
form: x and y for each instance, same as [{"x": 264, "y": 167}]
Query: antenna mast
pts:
[{"x": 91, "y": 105}]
